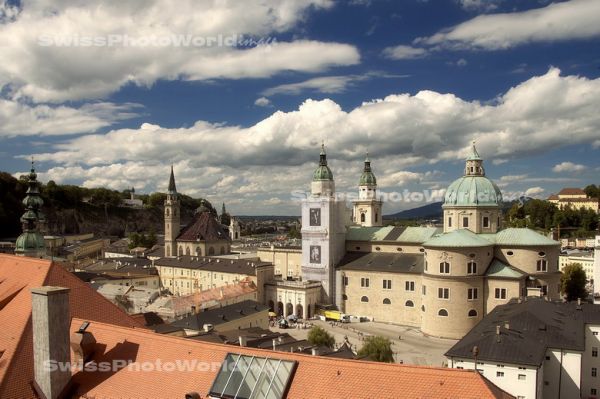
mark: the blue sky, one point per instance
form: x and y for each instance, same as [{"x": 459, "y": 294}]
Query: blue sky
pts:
[{"x": 412, "y": 82}]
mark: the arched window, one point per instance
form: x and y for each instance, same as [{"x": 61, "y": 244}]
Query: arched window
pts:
[
  {"x": 409, "y": 304},
  {"x": 222, "y": 250},
  {"x": 387, "y": 301},
  {"x": 345, "y": 297},
  {"x": 443, "y": 312},
  {"x": 187, "y": 251},
  {"x": 362, "y": 217},
  {"x": 180, "y": 252},
  {"x": 198, "y": 251},
  {"x": 167, "y": 212},
  {"x": 542, "y": 265},
  {"x": 364, "y": 299},
  {"x": 376, "y": 217},
  {"x": 472, "y": 267},
  {"x": 472, "y": 313},
  {"x": 422, "y": 308}
]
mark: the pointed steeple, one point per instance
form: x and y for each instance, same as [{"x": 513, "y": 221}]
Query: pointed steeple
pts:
[
  {"x": 323, "y": 156},
  {"x": 172, "y": 187},
  {"x": 223, "y": 211},
  {"x": 474, "y": 155}
]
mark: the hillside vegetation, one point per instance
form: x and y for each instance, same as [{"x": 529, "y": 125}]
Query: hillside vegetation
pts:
[{"x": 72, "y": 209}]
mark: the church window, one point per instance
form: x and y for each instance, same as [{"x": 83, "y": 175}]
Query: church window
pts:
[
  {"x": 465, "y": 222},
  {"x": 362, "y": 217},
  {"x": 500, "y": 293},
  {"x": 364, "y": 282},
  {"x": 211, "y": 251},
  {"x": 364, "y": 299},
  {"x": 444, "y": 293},
  {"x": 541, "y": 253},
  {"x": 377, "y": 249},
  {"x": 542, "y": 265},
  {"x": 510, "y": 253},
  {"x": 444, "y": 268},
  {"x": 168, "y": 212},
  {"x": 472, "y": 267},
  {"x": 443, "y": 312},
  {"x": 187, "y": 251},
  {"x": 386, "y": 301},
  {"x": 486, "y": 222},
  {"x": 345, "y": 280},
  {"x": 472, "y": 313},
  {"x": 376, "y": 217},
  {"x": 387, "y": 284},
  {"x": 409, "y": 304},
  {"x": 472, "y": 294},
  {"x": 409, "y": 285}
]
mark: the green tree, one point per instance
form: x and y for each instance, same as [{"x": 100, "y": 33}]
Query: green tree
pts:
[
  {"x": 592, "y": 191},
  {"x": 378, "y": 349},
  {"x": 319, "y": 337},
  {"x": 572, "y": 282}
]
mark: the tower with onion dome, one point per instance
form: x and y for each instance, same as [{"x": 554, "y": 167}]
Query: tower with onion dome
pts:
[
  {"x": 367, "y": 209},
  {"x": 31, "y": 242},
  {"x": 324, "y": 218}
]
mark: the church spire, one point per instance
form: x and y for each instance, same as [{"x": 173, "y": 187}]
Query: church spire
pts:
[{"x": 172, "y": 187}]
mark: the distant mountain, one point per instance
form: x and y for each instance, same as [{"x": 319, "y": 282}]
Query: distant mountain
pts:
[{"x": 429, "y": 211}]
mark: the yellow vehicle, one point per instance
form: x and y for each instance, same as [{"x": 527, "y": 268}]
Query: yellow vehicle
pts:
[{"x": 335, "y": 315}]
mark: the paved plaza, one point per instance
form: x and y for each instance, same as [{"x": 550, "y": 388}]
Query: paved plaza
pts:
[{"x": 410, "y": 346}]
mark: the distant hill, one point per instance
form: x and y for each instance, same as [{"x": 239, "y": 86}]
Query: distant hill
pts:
[{"x": 429, "y": 211}]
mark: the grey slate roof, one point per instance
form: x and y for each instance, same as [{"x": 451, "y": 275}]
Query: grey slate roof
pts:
[
  {"x": 220, "y": 315},
  {"x": 533, "y": 326},
  {"x": 237, "y": 266},
  {"x": 383, "y": 262}
]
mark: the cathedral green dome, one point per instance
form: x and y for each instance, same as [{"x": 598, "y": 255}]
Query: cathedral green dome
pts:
[
  {"x": 323, "y": 172},
  {"x": 473, "y": 191},
  {"x": 29, "y": 241},
  {"x": 368, "y": 177}
]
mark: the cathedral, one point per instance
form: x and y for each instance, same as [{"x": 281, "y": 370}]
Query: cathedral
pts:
[
  {"x": 203, "y": 236},
  {"x": 443, "y": 280}
]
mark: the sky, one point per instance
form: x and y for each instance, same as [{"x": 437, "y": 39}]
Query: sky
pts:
[{"x": 239, "y": 95}]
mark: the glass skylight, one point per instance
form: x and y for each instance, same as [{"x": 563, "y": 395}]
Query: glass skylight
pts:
[{"x": 251, "y": 377}]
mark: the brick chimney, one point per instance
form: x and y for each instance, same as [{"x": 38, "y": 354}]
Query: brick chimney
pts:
[{"x": 51, "y": 322}]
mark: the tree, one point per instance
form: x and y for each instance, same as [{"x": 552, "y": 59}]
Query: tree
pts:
[
  {"x": 378, "y": 349},
  {"x": 319, "y": 337},
  {"x": 572, "y": 282}
]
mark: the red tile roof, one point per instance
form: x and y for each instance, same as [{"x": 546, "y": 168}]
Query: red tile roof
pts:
[
  {"x": 315, "y": 377},
  {"x": 17, "y": 276},
  {"x": 204, "y": 227},
  {"x": 571, "y": 191}
]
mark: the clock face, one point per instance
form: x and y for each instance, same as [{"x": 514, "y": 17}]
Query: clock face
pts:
[
  {"x": 315, "y": 254},
  {"x": 315, "y": 216}
]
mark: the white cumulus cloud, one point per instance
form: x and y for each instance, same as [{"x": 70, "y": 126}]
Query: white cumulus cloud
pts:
[{"x": 568, "y": 167}]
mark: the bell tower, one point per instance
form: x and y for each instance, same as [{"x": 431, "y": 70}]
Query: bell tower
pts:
[
  {"x": 367, "y": 209},
  {"x": 323, "y": 231},
  {"x": 172, "y": 218}
]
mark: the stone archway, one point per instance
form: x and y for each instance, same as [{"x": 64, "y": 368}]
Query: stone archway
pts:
[
  {"x": 299, "y": 311},
  {"x": 289, "y": 309},
  {"x": 271, "y": 306},
  {"x": 280, "y": 308}
]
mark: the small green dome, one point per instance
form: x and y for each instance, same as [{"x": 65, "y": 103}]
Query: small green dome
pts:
[
  {"x": 322, "y": 172},
  {"x": 473, "y": 191},
  {"x": 33, "y": 201},
  {"x": 368, "y": 177},
  {"x": 29, "y": 241}
]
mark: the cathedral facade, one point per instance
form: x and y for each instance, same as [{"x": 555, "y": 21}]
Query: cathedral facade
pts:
[{"x": 442, "y": 280}]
